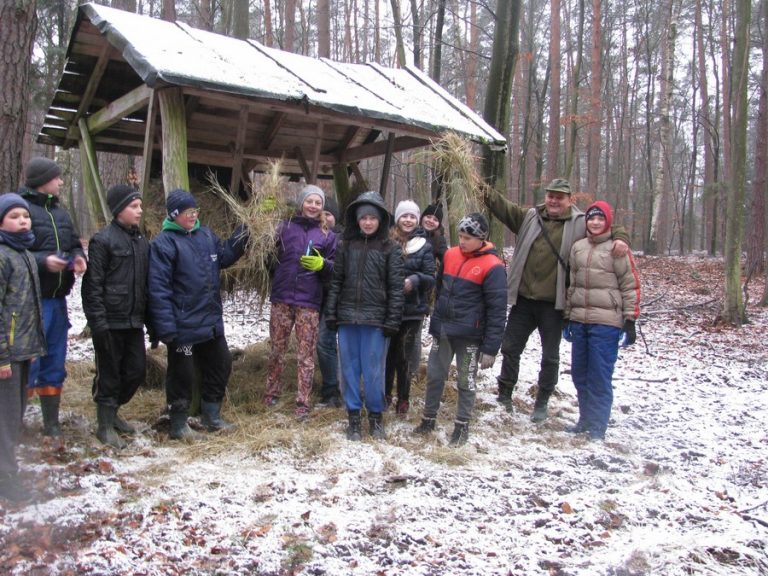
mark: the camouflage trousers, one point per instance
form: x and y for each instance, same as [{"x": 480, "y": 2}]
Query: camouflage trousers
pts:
[{"x": 282, "y": 319}]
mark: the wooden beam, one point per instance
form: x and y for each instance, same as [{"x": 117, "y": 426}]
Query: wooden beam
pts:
[
  {"x": 380, "y": 147},
  {"x": 96, "y": 188},
  {"x": 237, "y": 161},
  {"x": 387, "y": 164},
  {"x": 316, "y": 154},
  {"x": 303, "y": 163},
  {"x": 119, "y": 109},
  {"x": 355, "y": 167},
  {"x": 274, "y": 127},
  {"x": 149, "y": 142},
  {"x": 93, "y": 84},
  {"x": 352, "y": 132},
  {"x": 174, "y": 130}
]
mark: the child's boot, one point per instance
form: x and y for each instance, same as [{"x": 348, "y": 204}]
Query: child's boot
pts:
[
  {"x": 106, "y": 426},
  {"x": 376, "y": 426},
  {"x": 180, "y": 429},
  {"x": 460, "y": 433},
  {"x": 49, "y": 405},
  {"x": 123, "y": 426},
  {"x": 354, "y": 432},
  {"x": 211, "y": 417},
  {"x": 540, "y": 406}
]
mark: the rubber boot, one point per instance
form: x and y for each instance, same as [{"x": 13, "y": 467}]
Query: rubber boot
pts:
[
  {"x": 106, "y": 426},
  {"x": 376, "y": 426},
  {"x": 180, "y": 430},
  {"x": 353, "y": 428},
  {"x": 427, "y": 426},
  {"x": 540, "y": 407},
  {"x": 460, "y": 433},
  {"x": 123, "y": 426},
  {"x": 505, "y": 397},
  {"x": 49, "y": 405},
  {"x": 211, "y": 417}
]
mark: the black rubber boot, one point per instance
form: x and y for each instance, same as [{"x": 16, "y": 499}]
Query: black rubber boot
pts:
[
  {"x": 211, "y": 417},
  {"x": 460, "y": 433},
  {"x": 540, "y": 407},
  {"x": 49, "y": 405},
  {"x": 505, "y": 396},
  {"x": 376, "y": 426},
  {"x": 427, "y": 426},
  {"x": 123, "y": 426},
  {"x": 106, "y": 426},
  {"x": 180, "y": 430},
  {"x": 354, "y": 432}
]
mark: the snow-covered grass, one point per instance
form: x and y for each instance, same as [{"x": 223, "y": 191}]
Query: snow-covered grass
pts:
[{"x": 679, "y": 487}]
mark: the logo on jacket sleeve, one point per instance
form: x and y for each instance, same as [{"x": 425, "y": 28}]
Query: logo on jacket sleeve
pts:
[{"x": 214, "y": 257}]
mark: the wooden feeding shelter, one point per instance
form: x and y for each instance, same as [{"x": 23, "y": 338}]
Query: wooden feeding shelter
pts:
[{"x": 179, "y": 96}]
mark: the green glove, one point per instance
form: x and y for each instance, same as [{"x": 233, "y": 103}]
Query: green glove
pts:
[{"x": 313, "y": 263}]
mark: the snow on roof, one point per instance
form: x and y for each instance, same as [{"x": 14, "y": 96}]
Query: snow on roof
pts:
[{"x": 174, "y": 53}]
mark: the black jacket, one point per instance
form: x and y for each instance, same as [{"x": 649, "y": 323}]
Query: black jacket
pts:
[
  {"x": 367, "y": 284},
  {"x": 114, "y": 288},
  {"x": 419, "y": 267},
  {"x": 54, "y": 234}
]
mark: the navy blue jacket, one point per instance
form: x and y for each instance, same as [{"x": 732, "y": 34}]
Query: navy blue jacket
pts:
[
  {"x": 471, "y": 298},
  {"x": 55, "y": 234},
  {"x": 185, "y": 303}
]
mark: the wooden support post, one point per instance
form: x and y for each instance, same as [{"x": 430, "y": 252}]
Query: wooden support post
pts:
[
  {"x": 174, "y": 125},
  {"x": 359, "y": 178},
  {"x": 387, "y": 164},
  {"x": 237, "y": 162},
  {"x": 316, "y": 155},
  {"x": 93, "y": 186},
  {"x": 303, "y": 163},
  {"x": 149, "y": 142}
]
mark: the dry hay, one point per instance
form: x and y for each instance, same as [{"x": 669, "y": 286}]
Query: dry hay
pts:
[
  {"x": 456, "y": 167},
  {"x": 260, "y": 214}
]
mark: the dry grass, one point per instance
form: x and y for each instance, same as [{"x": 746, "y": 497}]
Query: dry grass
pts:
[{"x": 456, "y": 166}]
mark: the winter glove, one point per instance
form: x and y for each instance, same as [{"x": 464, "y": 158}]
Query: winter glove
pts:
[
  {"x": 486, "y": 361},
  {"x": 567, "y": 334},
  {"x": 312, "y": 263},
  {"x": 389, "y": 332},
  {"x": 628, "y": 333},
  {"x": 268, "y": 204}
]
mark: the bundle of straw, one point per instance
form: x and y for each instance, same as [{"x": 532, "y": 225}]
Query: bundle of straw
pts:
[
  {"x": 261, "y": 215},
  {"x": 456, "y": 166}
]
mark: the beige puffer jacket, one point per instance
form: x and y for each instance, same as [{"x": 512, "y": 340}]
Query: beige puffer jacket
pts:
[{"x": 604, "y": 289}]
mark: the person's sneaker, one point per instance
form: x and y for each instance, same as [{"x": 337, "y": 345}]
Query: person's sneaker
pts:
[
  {"x": 402, "y": 407},
  {"x": 270, "y": 401},
  {"x": 302, "y": 412}
]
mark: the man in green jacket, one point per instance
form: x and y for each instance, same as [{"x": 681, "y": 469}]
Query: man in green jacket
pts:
[{"x": 536, "y": 283}]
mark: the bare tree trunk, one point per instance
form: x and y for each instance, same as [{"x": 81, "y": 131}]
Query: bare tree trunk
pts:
[
  {"x": 570, "y": 156},
  {"x": 733, "y": 305},
  {"x": 323, "y": 28},
  {"x": 169, "y": 11},
  {"x": 240, "y": 27},
  {"x": 398, "y": 25},
  {"x": 472, "y": 55},
  {"x": 553, "y": 138},
  {"x": 377, "y": 33},
  {"x": 18, "y": 23},
  {"x": 657, "y": 238},
  {"x": 418, "y": 59},
  {"x": 437, "y": 51},
  {"x": 596, "y": 85},
  {"x": 289, "y": 26},
  {"x": 269, "y": 36},
  {"x": 757, "y": 212}
]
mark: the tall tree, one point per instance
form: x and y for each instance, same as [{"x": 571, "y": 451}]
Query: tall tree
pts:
[
  {"x": 570, "y": 157},
  {"x": 398, "y": 26},
  {"x": 437, "y": 50},
  {"x": 289, "y": 26},
  {"x": 324, "y": 28},
  {"x": 553, "y": 138},
  {"x": 18, "y": 22},
  {"x": 733, "y": 304},
  {"x": 595, "y": 101}
]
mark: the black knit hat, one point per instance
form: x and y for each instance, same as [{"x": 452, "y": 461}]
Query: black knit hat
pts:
[
  {"x": 178, "y": 201},
  {"x": 332, "y": 206},
  {"x": 435, "y": 210},
  {"x": 40, "y": 171},
  {"x": 119, "y": 196}
]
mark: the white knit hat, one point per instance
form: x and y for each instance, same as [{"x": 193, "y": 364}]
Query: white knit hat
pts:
[{"x": 407, "y": 207}]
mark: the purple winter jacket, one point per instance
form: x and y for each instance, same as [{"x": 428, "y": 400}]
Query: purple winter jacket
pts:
[{"x": 291, "y": 283}]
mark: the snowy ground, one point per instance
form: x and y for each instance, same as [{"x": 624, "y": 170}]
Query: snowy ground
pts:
[{"x": 679, "y": 487}]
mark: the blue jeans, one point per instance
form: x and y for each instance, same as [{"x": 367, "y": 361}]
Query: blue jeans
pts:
[
  {"x": 328, "y": 361},
  {"x": 362, "y": 353},
  {"x": 594, "y": 350},
  {"x": 47, "y": 373}
]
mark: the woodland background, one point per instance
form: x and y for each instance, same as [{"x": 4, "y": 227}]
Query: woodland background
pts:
[{"x": 661, "y": 108}]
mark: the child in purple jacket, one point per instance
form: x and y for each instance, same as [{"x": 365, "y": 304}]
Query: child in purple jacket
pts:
[{"x": 305, "y": 252}]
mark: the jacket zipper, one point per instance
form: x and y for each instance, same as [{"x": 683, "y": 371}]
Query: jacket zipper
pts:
[
  {"x": 58, "y": 242},
  {"x": 12, "y": 335},
  {"x": 359, "y": 283}
]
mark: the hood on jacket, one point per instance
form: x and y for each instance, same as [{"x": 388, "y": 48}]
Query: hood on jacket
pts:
[
  {"x": 350, "y": 215},
  {"x": 38, "y": 198},
  {"x": 600, "y": 207}
]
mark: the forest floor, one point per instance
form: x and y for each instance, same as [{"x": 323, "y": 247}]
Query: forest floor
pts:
[{"x": 680, "y": 486}]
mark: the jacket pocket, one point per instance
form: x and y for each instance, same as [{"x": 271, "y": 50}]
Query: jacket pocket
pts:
[{"x": 116, "y": 296}]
